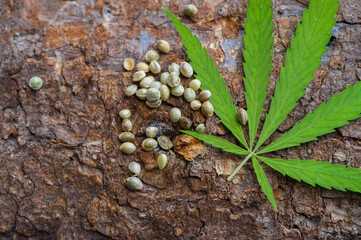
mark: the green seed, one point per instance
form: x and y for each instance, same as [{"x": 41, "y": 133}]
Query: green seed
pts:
[
  {"x": 155, "y": 67},
  {"x": 151, "y": 132},
  {"x": 189, "y": 94},
  {"x": 195, "y": 84},
  {"x": 164, "y": 142},
  {"x": 128, "y": 148},
  {"x": 162, "y": 161},
  {"x": 35, "y": 83},
  {"x": 149, "y": 144},
  {"x": 127, "y": 125},
  {"x": 153, "y": 94},
  {"x": 134, "y": 183},
  {"x": 139, "y": 75},
  {"x": 130, "y": 90},
  {"x": 134, "y": 169},
  {"x": 207, "y": 109},
  {"x": 151, "y": 55},
  {"x": 146, "y": 82},
  {"x": 163, "y": 77},
  {"x": 186, "y": 69},
  {"x": 195, "y": 105},
  {"x": 141, "y": 93},
  {"x": 142, "y": 66},
  {"x": 153, "y": 104},
  {"x": 175, "y": 114},
  {"x": 126, "y": 137},
  {"x": 125, "y": 113},
  {"x": 173, "y": 80},
  {"x": 242, "y": 116},
  {"x": 174, "y": 68},
  {"x": 177, "y": 90},
  {"x": 201, "y": 128},
  {"x": 164, "y": 92},
  {"x": 190, "y": 10}
]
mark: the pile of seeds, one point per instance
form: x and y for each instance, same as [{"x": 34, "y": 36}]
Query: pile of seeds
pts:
[
  {"x": 133, "y": 182},
  {"x": 126, "y": 137}
]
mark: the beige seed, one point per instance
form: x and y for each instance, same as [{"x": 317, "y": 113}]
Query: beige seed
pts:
[
  {"x": 185, "y": 123},
  {"x": 173, "y": 80},
  {"x": 155, "y": 67},
  {"x": 163, "y": 77},
  {"x": 134, "y": 169},
  {"x": 133, "y": 183},
  {"x": 151, "y": 132},
  {"x": 141, "y": 94},
  {"x": 164, "y": 142},
  {"x": 204, "y": 95},
  {"x": 189, "y": 94},
  {"x": 201, "y": 128},
  {"x": 126, "y": 137},
  {"x": 177, "y": 91},
  {"x": 242, "y": 116},
  {"x": 146, "y": 82},
  {"x": 207, "y": 109},
  {"x": 190, "y": 10},
  {"x": 142, "y": 66},
  {"x": 175, "y": 114},
  {"x": 151, "y": 55},
  {"x": 139, "y": 75},
  {"x": 149, "y": 144},
  {"x": 163, "y": 46},
  {"x": 164, "y": 92},
  {"x": 128, "y": 64},
  {"x": 125, "y": 113},
  {"x": 130, "y": 90},
  {"x": 195, "y": 84},
  {"x": 153, "y": 104},
  {"x": 156, "y": 84},
  {"x": 127, "y": 148},
  {"x": 127, "y": 125},
  {"x": 162, "y": 161},
  {"x": 174, "y": 68},
  {"x": 195, "y": 105},
  {"x": 186, "y": 69},
  {"x": 153, "y": 94}
]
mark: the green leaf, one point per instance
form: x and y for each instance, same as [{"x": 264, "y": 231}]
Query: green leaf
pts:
[
  {"x": 263, "y": 181},
  {"x": 217, "y": 142},
  {"x": 258, "y": 42},
  {"x": 324, "y": 174},
  {"x": 209, "y": 75},
  {"x": 338, "y": 111},
  {"x": 302, "y": 60}
]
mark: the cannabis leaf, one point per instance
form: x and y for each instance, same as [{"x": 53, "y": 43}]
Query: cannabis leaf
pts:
[{"x": 302, "y": 59}]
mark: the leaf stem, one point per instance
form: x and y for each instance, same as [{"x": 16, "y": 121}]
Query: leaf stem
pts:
[{"x": 240, "y": 166}]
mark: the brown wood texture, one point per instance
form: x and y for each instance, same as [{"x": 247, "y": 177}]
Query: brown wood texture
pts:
[{"x": 61, "y": 171}]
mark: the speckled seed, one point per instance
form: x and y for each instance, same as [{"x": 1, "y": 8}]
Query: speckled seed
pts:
[
  {"x": 155, "y": 67},
  {"x": 146, "y": 82},
  {"x": 175, "y": 114},
  {"x": 173, "y": 80},
  {"x": 141, "y": 94},
  {"x": 156, "y": 84},
  {"x": 242, "y": 116},
  {"x": 185, "y": 123},
  {"x": 127, "y": 148},
  {"x": 142, "y": 66},
  {"x": 128, "y": 64},
  {"x": 163, "y": 77},
  {"x": 153, "y": 94},
  {"x": 207, "y": 109},
  {"x": 127, "y": 125},
  {"x": 151, "y": 55},
  {"x": 133, "y": 183},
  {"x": 130, "y": 90},
  {"x": 139, "y": 75},
  {"x": 189, "y": 94},
  {"x": 125, "y": 113},
  {"x": 204, "y": 95},
  {"x": 163, "y": 46},
  {"x": 195, "y": 84},
  {"x": 35, "y": 83},
  {"x": 164, "y": 142},
  {"x": 149, "y": 144},
  {"x": 174, "y": 68},
  {"x": 195, "y": 105},
  {"x": 164, "y": 92},
  {"x": 154, "y": 104},
  {"x": 201, "y": 128},
  {"x": 134, "y": 169},
  {"x": 186, "y": 69},
  {"x": 190, "y": 10},
  {"x": 126, "y": 137},
  {"x": 177, "y": 91},
  {"x": 151, "y": 132},
  {"x": 162, "y": 161}
]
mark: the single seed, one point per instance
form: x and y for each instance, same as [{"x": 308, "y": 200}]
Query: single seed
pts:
[
  {"x": 127, "y": 148},
  {"x": 164, "y": 92},
  {"x": 151, "y": 55},
  {"x": 207, "y": 109},
  {"x": 130, "y": 91},
  {"x": 142, "y": 66},
  {"x": 189, "y": 94},
  {"x": 151, "y": 132},
  {"x": 174, "y": 68},
  {"x": 173, "y": 80},
  {"x": 146, "y": 82},
  {"x": 153, "y": 104},
  {"x": 175, "y": 114},
  {"x": 195, "y": 105},
  {"x": 126, "y": 137},
  {"x": 195, "y": 84},
  {"x": 128, "y": 64},
  {"x": 162, "y": 161},
  {"x": 201, "y": 128},
  {"x": 177, "y": 91},
  {"x": 163, "y": 77},
  {"x": 134, "y": 169},
  {"x": 139, "y": 75},
  {"x": 127, "y": 125},
  {"x": 133, "y": 183},
  {"x": 242, "y": 116},
  {"x": 186, "y": 69},
  {"x": 163, "y": 46},
  {"x": 204, "y": 95},
  {"x": 125, "y": 113},
  {"x": 156, "y": 84},
  {"x": 164, "y": 142},
  {"x": 155, "y": 67},
  {"x": 185, "y": 123},
  {"x": 153, "y": 94},
  {"x": 149, "y": 144},
  {"x": 141, "y": 94},
  {"x": 190, "y": 10},
  {"x": 35, "y": 83}
]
